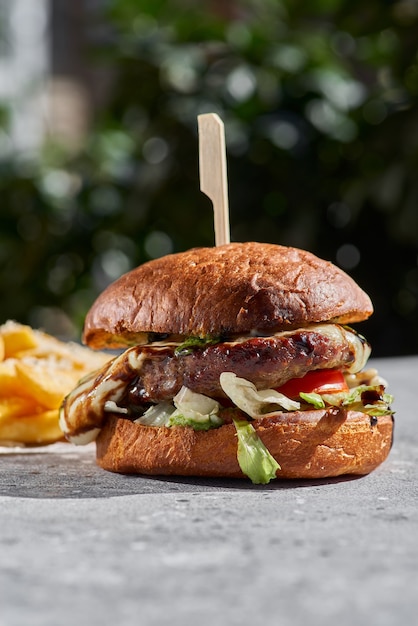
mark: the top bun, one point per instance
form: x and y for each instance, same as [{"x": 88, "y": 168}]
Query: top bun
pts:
[{"x": 233, "y": 288}]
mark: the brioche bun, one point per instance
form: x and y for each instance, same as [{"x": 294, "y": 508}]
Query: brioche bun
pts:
[
  {"x": 307, "y": 445},
  {"x": 234, "y": 288}
]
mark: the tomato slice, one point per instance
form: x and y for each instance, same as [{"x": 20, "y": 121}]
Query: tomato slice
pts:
[{"x": 317, "y": 381}]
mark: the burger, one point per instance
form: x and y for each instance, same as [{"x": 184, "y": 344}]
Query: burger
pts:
[{"x": 232, "y": 361}]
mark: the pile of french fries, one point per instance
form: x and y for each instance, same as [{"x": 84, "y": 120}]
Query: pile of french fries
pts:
[{"x": 37, "y": 371}]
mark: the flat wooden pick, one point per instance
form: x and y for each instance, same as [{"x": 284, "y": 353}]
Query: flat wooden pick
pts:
[{"x": 213, "y": 176}]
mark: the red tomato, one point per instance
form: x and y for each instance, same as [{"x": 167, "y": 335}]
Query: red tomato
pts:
[{"x": 317, "y": 381}]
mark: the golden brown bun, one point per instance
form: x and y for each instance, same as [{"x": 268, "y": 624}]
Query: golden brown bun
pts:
[
  {"x": 308, "y": 444},
  {"x": 231, "y": 288}
]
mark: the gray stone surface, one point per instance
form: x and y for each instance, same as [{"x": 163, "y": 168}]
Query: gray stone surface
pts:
[{"x": 82, "y": 546}]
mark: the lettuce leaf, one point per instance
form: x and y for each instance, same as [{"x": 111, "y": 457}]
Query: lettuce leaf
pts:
[
  {"x": 189, "y": 409},
  {"x": 156, "y": 415},
  {"x": 253, "y": 402},
  {"x": 313, "y": 398},
  {"x": 188, "y": 400},
  {"x": 254, "y": 459},
  {"x": 370, "y": 399},
  {"x": 195, "y": 410}
]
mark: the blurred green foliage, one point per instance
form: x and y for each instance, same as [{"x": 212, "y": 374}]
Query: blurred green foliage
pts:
[{"x": 319, "y": 102}]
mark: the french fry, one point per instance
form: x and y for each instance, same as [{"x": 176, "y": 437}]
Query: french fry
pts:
[
  {"x": 10, "y": 384},
  {"x": 16, "y": 407},
  {"x": 17, "y": 337},
  {"x": 38, "y": 429},
  {"x": 36, "y": 372},
  {"x": 46, "y": 381}
]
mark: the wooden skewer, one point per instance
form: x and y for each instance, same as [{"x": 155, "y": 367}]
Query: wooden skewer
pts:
[{"x": 213, "y": 176}]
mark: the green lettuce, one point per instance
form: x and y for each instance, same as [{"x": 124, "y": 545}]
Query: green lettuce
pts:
[
  {"x": 192, "y": 343},
  {"x": 254, "y": 403},
  {"x": 313, "y": 398},
  {"x": 254, "y": 459},
  {"x": 370, "y": 399}
]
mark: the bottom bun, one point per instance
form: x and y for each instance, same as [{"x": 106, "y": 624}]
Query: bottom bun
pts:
[{"x": 308, "y": 444}]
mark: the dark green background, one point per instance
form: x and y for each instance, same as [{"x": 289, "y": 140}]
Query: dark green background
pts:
[{"x": 319, "y": 101}]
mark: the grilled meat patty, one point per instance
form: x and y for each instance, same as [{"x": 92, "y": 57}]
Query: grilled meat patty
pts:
[
  {"x": 153, "y": 373},
  {"x": 267, "y": 362}
]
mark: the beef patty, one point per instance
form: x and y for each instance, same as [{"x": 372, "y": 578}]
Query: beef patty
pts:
[{"x": 153, "y": 373}]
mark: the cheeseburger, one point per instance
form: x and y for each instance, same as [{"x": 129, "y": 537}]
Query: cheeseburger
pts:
[{"x": 234, "y": 361}]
